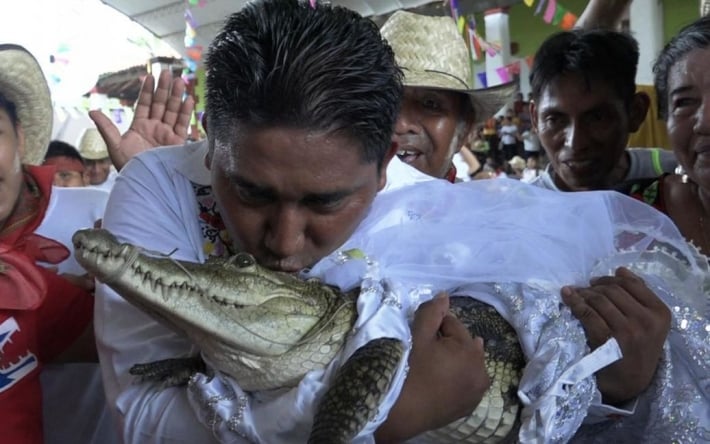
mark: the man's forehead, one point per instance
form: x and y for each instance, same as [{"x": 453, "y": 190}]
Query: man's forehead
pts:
[{"x": 575, "y": 91}]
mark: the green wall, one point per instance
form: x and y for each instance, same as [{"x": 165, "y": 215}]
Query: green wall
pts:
[
  {"x": 529, "y": 30},
  {"x": 678, "y": 13}
]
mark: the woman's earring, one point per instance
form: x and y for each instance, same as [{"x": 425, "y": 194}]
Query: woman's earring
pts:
[{"x": 679, "y": 170}]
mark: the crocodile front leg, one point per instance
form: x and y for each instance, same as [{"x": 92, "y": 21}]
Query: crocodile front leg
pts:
[
  {"x": 170, "y": 372},
  {"x": 357, "y": 390}
]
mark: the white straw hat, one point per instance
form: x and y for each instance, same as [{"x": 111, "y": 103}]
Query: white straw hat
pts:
[
  {"x": 517, "y": 163},
  {"x": 432, "y": 54},
  {"x": 92, "y": 145},
  {"x": 23, "y": 83}
]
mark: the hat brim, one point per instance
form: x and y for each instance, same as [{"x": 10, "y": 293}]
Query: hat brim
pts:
[
  {"x": 23, "y": 83},
  {"x": 486, "y": 101},
  {"x": 98, "y": 156}
]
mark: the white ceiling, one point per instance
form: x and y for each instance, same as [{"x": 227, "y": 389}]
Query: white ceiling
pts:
[{"x": 165, "y": 18}]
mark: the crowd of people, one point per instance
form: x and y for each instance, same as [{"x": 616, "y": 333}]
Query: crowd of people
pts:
[{"x": 318, "y": 138}]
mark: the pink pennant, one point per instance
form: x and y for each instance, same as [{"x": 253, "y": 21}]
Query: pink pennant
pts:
[
  {"x": 313, "y": 4},
  {"x": 503, "y": 74},
  {"x": 550, "y": 11}
]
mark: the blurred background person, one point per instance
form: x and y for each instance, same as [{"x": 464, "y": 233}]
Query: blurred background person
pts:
[
  {"x": 70, "y": 169},
  {"x": 93, "y": 150}
]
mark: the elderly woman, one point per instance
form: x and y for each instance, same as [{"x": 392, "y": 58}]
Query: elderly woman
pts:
[{"x": 682, "y": 80}]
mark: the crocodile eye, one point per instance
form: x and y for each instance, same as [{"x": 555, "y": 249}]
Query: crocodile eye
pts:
[{"x": 243, "y": 260}]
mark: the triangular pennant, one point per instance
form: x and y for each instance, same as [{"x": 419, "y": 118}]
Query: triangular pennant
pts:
[
  {"x": 559, "y": 14},
  {"x": 568, "y": 21},
  {"x": 503, "y": 74},
  {"x": 550, "y": 11},
  {"x": 540, "y": 6},
  {"x": 483, "y": 79}
]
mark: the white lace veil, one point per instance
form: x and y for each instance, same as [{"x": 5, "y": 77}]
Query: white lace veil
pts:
[{"x": 442, "y": 235}]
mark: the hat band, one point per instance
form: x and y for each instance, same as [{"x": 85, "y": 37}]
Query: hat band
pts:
[{"x": 465, "y": 85}]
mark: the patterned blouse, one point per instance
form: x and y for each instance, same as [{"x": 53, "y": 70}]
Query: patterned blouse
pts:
[{"x": 216, "y": 239}]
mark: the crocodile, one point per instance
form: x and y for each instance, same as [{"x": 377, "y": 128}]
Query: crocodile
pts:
[{"x": 267, "y": 329}]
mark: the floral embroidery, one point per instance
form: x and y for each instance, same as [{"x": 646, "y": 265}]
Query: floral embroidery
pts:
[{"x": 216, "y": 239}]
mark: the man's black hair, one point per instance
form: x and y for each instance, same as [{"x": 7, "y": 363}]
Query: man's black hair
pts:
[
  {"x": 597, "y": 55},
  {"x": 284, "y": 63},
  {"x": 694, "y": 36},
  {"x": 57, "y": 148}
]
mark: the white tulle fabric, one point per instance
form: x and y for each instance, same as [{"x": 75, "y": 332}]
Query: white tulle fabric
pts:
[{"x": 513, "y": 246}]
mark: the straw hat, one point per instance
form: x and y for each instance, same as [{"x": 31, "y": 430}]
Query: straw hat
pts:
[
  {"x": 432, "y": 54},
  {"x": 92, "y": 145},
  {"x": 23, "y": 83},
  {"x": 517, "y": 163}
]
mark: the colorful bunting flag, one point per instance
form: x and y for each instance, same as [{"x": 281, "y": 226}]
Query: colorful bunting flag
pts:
[
  {"x": 568, "y": 21},
  {"x": 555, "y": 13},
  {"x": 550, "y": 11},
  {"x": 473, "y": 45},
  {"x": 540, "y": 7},
  {"x": 483, "y": 79},
  {"x": 559, "y": 14},
  {"x": 503, "y": 74}
]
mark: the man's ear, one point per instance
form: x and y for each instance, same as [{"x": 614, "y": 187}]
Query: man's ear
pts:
[
  {"x": 385, "y": 162},
  {"x": 208, "y": 157},
  {"x": 638, "y": 110},
  {"x": 203, "y": 121}
]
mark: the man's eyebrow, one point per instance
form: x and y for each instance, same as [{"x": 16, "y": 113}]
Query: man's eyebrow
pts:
[
  {"x": 244, "y": 183},
  {"x": 329, "y": 196},
  {"x": 680, "y": 89}
]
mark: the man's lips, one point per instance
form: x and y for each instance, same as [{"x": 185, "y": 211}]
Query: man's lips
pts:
[
  {"x": 408, "y": 155},
  {"x": 581, "y": 164}
]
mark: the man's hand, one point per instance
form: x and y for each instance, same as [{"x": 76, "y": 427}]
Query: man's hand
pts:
[
  {"x": 622, "y": 306},
  {"x": 161, "y": 118},
  {"x": 447, "y": 376},
  {"x": 602, "y": 14}
]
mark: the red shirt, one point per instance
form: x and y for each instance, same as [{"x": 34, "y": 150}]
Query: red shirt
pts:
[{"x": 41, "y": 315}]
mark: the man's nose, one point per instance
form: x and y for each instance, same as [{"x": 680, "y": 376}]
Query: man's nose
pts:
[
  {"x": 407, "y": 120},
  {"x": 285, "y": 236},
  {"x": 574, "y": 137},
  {"x": 702, "y": 118}
]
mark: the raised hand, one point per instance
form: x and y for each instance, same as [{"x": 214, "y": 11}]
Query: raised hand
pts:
[
  {"x": 622, "y": 306},
  {"x": 161, "y": 118}
]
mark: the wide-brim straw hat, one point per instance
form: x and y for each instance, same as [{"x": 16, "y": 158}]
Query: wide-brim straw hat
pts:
[
  {"x": 92, "y": 145},
  {"x": 23, "y": 83},
  {"x": 432, "y": 54},
  {"x": 517, "y": 163}
]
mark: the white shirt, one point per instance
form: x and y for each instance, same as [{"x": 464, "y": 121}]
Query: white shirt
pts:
[
  {"x": 73, "y": 402},
  {"x": 508, "y": 133},
  {"x": 531, "y": 142}
]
